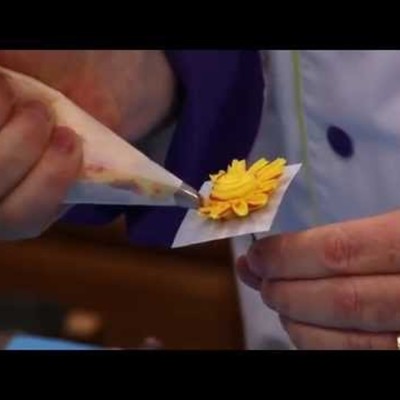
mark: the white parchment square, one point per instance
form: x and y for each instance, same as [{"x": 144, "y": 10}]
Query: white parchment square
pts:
[{"x": 197, "y": 229}]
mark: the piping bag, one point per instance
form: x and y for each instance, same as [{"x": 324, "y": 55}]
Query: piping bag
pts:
[
  {"x": 113, "y": 171},
  {"x": 116, "y": 173}
]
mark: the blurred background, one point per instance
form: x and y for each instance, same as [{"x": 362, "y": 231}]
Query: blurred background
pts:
[{"x": 88, "y": 284}]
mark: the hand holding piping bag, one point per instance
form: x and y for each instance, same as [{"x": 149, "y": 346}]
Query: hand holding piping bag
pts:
[{"x": 113, "y": 171}]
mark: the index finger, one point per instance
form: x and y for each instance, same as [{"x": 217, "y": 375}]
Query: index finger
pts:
[{"x": 364, "y": 246}]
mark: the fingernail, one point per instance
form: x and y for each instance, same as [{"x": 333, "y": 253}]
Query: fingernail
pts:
[
  {"x": 64, "y": 140},
  {"x": 254, "y": 259},
  {"x": 246, "y": 275},
  {"x": 241, "y": 260},
  {"x": 38, "y": 108}
]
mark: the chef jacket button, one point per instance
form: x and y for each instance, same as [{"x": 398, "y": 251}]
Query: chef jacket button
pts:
[{"x": 340, "y": 142}]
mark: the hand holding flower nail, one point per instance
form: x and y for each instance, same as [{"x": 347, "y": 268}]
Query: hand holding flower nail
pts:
[{"x": 334, "y": 287}]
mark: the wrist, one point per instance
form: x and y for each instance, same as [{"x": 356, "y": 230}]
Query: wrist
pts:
[{"x": 156, "y": 102}]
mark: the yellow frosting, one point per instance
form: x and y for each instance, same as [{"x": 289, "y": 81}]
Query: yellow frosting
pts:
[{"x": 238, "y": 191}]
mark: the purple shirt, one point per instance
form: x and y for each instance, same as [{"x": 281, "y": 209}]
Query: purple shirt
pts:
[{"x": 218, "y": 121}]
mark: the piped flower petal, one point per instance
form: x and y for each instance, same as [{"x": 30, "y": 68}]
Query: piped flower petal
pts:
[
  {"x": 214, "y": 177},
  {"x": 258, "y": 165},
  {"x": 257, "y": 200},
  {"x": 272, "y": 170},
  {"x": 240, "y": 208},
  {"x": 268, "y": 185}
]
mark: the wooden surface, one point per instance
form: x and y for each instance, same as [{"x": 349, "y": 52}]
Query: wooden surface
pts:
[
  {"x": 5, "y": 338},
  {"x": 185, "y": 297}
]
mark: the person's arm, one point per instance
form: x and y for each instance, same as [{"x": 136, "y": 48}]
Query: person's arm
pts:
[
  {"x": 131, "y": 92},
  {"x": 219, "y": 95}
]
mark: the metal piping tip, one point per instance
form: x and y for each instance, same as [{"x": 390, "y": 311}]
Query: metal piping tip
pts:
[{"x": 187, "y": 197}]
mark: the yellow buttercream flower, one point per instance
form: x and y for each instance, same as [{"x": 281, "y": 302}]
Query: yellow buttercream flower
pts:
[{"x": 239, "y": 191}]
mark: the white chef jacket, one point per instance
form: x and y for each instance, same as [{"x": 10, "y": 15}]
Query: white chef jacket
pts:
[
  {"x": 355, "y": 94},
  {"x": 351, "y": 94}
]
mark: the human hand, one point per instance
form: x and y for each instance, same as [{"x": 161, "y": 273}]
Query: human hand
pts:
[{"x": 334, "y": 287}]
